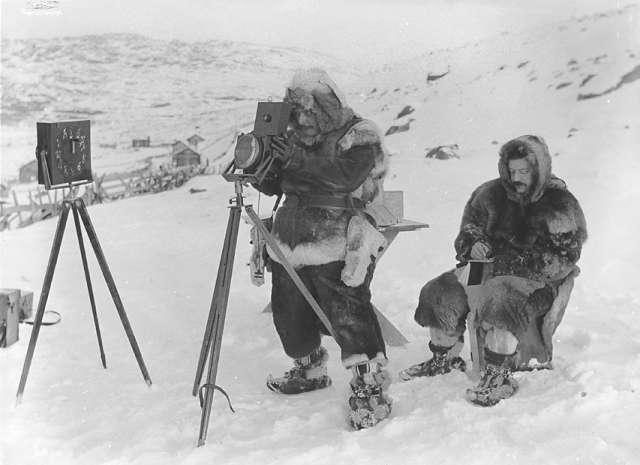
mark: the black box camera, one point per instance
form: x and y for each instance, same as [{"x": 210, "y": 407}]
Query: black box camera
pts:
[
  {"x": 64, "y": 153},
  {"x": 252, "y": 158}
]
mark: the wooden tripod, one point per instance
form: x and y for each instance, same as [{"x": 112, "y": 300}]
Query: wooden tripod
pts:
[
  {"x": 79, "y": 210},
  {"x": 215, "y": 323}
]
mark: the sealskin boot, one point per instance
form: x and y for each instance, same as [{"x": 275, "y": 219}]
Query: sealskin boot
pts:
[
  {"x": 308, "y": 374},
  {"x": 439, "y": 364},
  {"x": 368, "y": 404},
  {"x": 496, "y": 382}
]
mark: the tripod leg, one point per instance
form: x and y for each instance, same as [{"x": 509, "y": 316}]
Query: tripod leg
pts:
[
  {"x": 85, "y": 265},
  {"x": 44, "y": 295},
  {"x": 228, "y": 244},
  {"x": 84, "y": 214},
  {"x": 215, "y": 322}
]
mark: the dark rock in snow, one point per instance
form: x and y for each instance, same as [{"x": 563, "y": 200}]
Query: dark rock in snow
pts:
[
  {"x": 494, "y": 142},
  {"x": 435, "y": 77},
  {"x": 523, "y": 64},
  {"x": 407, "y": 110},
  {"x": 628, "y": 78},
  {"x": 563, "y": 84},
  {"x": 599, "y": 58},
  {"x": 443, "y": 152},
  {"x": 401, "y": 128},
  {"x": 587, "y": 79}
]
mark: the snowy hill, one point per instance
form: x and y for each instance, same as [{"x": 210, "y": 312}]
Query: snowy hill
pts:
[
  {"x": 164, "y": 250},
  {"x": 131, "y": 87}
]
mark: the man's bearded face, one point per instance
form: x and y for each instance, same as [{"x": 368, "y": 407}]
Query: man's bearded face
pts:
[
  {"x": 304, "y": 122},
  {"x": 521, "y": 175}
]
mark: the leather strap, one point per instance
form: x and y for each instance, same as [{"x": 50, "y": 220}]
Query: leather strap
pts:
[{"x": 341, "y": 201}]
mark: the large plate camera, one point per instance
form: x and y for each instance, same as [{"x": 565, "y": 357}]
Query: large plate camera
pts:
[{"x": 252, "y": 158}]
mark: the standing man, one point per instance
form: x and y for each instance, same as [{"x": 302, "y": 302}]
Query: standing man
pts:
[
  {"x": 532, "y": 228},
  {"x": 333, "y": 166}
]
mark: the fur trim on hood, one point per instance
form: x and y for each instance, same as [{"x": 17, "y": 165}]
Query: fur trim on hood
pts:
[
  {"x": 537, "y": 155},
  {"x": 313, "y": 89}
]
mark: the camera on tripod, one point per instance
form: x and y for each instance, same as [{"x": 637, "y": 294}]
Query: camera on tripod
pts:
[
  {"x": 253, "y": 160},
  {"x": 64, "y": 153}
]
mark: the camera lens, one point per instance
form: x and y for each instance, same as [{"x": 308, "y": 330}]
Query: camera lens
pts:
[{"x": 247, "y": 151}]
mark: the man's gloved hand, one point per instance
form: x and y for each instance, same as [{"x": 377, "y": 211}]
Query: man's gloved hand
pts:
[
  {"x": 480, "y": 251},
  {"x": 283, "y": 150}
]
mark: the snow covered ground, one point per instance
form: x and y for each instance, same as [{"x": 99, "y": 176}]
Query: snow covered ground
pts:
[{"x": 164, "y": 249}]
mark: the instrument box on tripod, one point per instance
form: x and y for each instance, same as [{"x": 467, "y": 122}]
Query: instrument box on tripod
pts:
[
  {"x": 63, "y": 153},
  {"x": 9, "y": 316}
]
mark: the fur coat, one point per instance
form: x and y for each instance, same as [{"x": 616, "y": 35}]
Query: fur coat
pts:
[
  {"x": 535, "y": 241},
  {"x": 538, "y": 235},
  {"x": 346, "y": 159}
]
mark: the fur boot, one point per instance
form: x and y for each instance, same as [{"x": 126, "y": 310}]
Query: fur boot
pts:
[
  {"x": 441, "y": 363},
  {"x": 368, "y": 404},
  {"x": 496, "y": 382},
  {"x": 308, "y": 374}
]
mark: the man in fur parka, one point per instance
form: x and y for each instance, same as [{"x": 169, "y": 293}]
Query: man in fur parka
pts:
[
  {"x": 333, "y": 166},
  {"x": 532, "y": 228}
]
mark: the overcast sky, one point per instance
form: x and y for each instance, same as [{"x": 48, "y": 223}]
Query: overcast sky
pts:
[{"x": 330, "y": 26}]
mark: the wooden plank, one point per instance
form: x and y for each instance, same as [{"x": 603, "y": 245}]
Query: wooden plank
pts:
[{"x": 18, "y": 209}]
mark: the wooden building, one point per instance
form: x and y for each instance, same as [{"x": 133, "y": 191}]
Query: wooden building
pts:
[
  {"x": 141, "y": 142},
  {"x": 28, "y": 172},
  {"x": 183, "y": 155},
  {"x": 194, "y": 141}
]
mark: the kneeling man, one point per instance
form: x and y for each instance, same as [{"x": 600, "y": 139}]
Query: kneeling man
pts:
[{"x": 532, "y": 228}]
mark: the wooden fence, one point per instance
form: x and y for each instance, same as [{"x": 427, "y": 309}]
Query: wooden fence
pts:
[{"x": 25, "y": 207}]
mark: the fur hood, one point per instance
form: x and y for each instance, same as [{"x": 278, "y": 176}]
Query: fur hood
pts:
[
  {"x": 313, "y": 89},
  {"x": 537, "y": 155}
]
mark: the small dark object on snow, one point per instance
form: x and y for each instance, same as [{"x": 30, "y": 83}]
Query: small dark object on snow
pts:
[
  {"x": 587, "y": 79},
  {"x": 494, "y": 142},
  {"x": 435, "y": 77},
  {"x": 563, "y": 84},
  {"x": 443, "y": 152},
  {"x": 523, "y": 64},
  {"x": 407, "y": 110},
  {"x": 194, "y": 190},
  {"x": 402, "y": 128}
]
